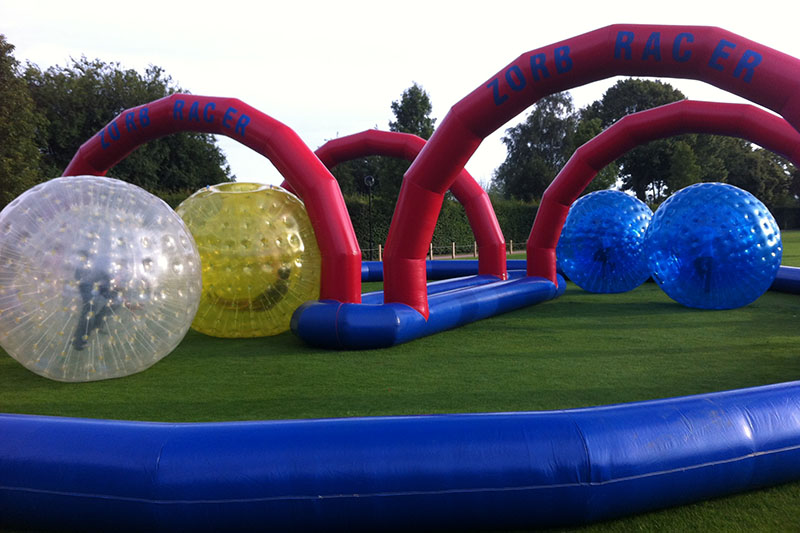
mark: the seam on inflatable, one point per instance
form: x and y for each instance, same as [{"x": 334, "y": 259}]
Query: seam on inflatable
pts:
[
  {"x": 362, "y": 495},
  {"x": 336, "y": 325},
  {"x": 589, "y": 476}
]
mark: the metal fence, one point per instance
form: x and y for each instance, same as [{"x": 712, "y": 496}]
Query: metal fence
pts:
[{"x": 443, "y": 252}]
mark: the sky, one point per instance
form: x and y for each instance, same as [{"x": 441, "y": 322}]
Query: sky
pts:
[{"x": 332, "y": 68}]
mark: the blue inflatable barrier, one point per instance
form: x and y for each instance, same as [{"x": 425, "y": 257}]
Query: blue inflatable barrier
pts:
[
  {"x": 787, "y": 280},
  {"x": 491, "y": 471},
  {"x": 453, "y": 303},
  {"x": 470, "y": 471}
]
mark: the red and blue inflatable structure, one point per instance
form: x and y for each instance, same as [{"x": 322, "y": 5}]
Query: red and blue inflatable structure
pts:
[{"x": 483, "y": 470}]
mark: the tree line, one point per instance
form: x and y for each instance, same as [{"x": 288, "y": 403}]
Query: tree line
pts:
[
  {"x": 542, "y": 144},
  {"x": 45, "y": 115}
]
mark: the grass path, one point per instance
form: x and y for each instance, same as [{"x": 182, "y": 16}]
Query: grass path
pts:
[{"x": 579, "y": 350}]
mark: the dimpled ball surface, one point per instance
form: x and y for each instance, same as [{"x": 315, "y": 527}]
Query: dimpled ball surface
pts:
[
  {"x": 713, "y": 246},
  {"x": 98, "y": 279},
  {"x": 601, "y": 244},
  {"x": 259, "y": 256}
]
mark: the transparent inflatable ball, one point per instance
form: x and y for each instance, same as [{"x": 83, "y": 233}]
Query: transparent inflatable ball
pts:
[{"x": 98, "y": 279}]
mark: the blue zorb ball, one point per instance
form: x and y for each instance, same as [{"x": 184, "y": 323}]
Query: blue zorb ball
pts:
[
  {"x": 713, "y": 246},
  {"x": 601, "y": 244}
]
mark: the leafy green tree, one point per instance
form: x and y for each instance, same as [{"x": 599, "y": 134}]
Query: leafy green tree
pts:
[
  {"x": 646, "y": 170},
  {"x": 81, "y": 98},
  {"x": 19, "y": 122},
  {"x": 711, "y": 153},
  {"x": 412, "y": 115},
  {"x": 537, "y": 148},
  {"x": 351, "y": 175},
  {"x": 660, "y": 168},
  {"x": 794, "y": 183},
  {"x": 631, "y": 96},
  {"x": 606, "y": 178},
  {"x": 683, "y": 166},
  {"x": 764, "y": 174}
]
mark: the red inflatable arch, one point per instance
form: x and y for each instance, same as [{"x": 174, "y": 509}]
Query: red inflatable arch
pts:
[
  {"x": 341, "y": 256},
  {"x": 736, "y": 120},
  {"x": 713, "y": 55},
  {"x": 478, "y": 206}
]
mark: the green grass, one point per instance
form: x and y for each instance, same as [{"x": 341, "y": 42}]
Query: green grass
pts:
[
  {"x": 579, "y": 350},
  {"x": 791, "y": 248}
]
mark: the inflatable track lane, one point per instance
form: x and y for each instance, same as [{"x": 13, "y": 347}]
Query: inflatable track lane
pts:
[
  {"x": 490, "y": 471},
  {"x": 331, "y": 324}
]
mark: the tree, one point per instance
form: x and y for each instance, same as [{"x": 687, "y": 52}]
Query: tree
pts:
[
  {"x": 537, "y": 148},
  {"x": 764, "y": 174},
  {"x": 794, "y": 183},
  {"x": 631, "y": 96},
  {"x": 81, "y": 98},
  {"x": 683, "y": 166},
  {"x": 606, "y": 178},
  {"x": 19, "y": 122},
  {"x": 646, "y": 170},
  {"x": 412, "y": 115}
]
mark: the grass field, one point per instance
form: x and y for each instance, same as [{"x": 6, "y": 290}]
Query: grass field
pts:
[{"x": 579, "y": 350}]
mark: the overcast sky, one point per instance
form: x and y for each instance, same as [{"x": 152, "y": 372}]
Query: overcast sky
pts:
[{"x": 332, "y": 68}]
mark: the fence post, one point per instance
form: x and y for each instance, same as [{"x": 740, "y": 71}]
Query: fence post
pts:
[
  {"x": 475, "y": 249},
  {"x": 431, "y": 254},
  {"x": 453, "y": 255},
  {"x": 380, "y": 252},
  {"x": 511, "y": 246}
]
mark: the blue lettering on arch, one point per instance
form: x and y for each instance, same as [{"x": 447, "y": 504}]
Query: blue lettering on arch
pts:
[
  {"x": 208, "y": 116},
  {"x": 228, "y": 117},
  {"x": 520, "y": 82},
  {"x": 538, "y": 68},
  {"x": 676, "y": 47},
  {"x": 177, "y": 110},
  {"x": 103, "y": 142},
  {"x": 749, "y": 61},
  {"x": 623, "y": 45},
  {"x": 241, "y": 124},
  {"x": 113, "y": 131},
  {"x": 130, "y": 122},
  {"x": 652, "y": 47},
  {"x": 720, "y": 53},
  {"x": 495, "y": 86},
  {"x": 194, "y": 111},
  {"x": 563, "y": 61},
  {"x": 144, "y": 118}
]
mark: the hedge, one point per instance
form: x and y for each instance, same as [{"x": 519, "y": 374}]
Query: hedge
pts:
[{"x": 515, "y": 219}]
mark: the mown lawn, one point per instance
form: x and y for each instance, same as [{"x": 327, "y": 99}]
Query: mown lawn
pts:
[{"x": 579, "y": 350}]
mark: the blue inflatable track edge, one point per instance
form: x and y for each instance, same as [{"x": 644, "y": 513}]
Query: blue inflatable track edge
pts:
[
  {"x": 451, "y": 303},
  {"x": 471, "y": 471}
]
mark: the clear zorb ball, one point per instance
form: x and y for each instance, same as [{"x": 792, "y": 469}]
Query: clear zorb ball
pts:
[
  {"x": 601, "y": 244},
  {"x": 98, "y": 279},
  {"x": 713, "y": 246}
]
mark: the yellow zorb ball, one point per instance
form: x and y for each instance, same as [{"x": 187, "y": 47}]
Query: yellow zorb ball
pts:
[{"x": 258, "y": 254}]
